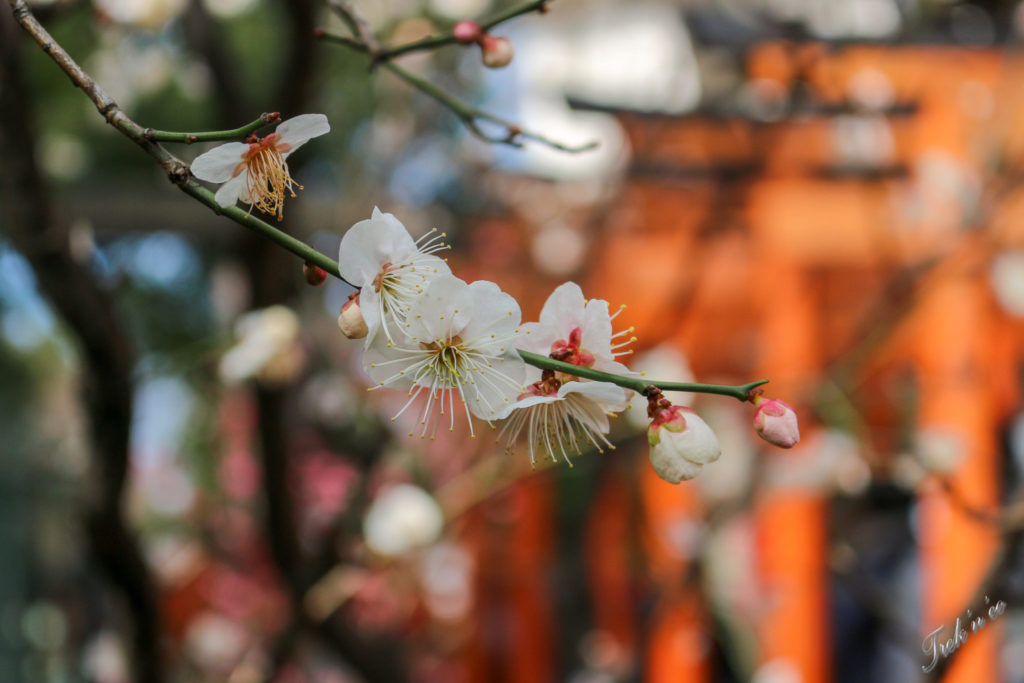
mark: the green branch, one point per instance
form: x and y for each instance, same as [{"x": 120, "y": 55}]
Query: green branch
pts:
[
  {"x": 362, "y": 40},
  {"x": 739, "y": 392},
  {"x": 434, "y": 42},
  {"x": 469, "y": 115},
  {"x": 192, "y": 187},
  {"x": 212, "y": 135},
  {"x": 179, "y": 174}
]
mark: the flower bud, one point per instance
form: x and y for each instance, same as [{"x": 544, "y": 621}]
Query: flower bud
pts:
[
  {"x": 681, "y": 443},
  {"x": 315, "y": 275},
  {"x": 467, "y": 32},
  {"x": 775, "y": 422},
  {"x": 351, "y": 319},
  {"x": 496, "y": 51}
]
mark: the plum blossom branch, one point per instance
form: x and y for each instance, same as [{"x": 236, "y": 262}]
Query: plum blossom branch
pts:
[
  {"x": 512, "y": 134},
  {"x": 176, "y": 169},
  {"x": 362, "y": 40},
  {"x": 178, "y": 173},
  {"x": 740, "y": 392},
  {"x": 434, "y": 42},
  {"x": 213, "y": 135}
]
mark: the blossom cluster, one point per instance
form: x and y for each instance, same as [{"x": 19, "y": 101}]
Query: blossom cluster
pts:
[{"x": 454, "y": 348}]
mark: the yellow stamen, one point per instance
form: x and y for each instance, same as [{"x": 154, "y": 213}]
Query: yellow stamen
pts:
[{"x": 268, "y": 178}]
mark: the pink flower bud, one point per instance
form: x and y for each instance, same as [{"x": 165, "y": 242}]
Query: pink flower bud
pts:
[
  {"x": 315, "y": 275},
  {"x": 681, "y": 443},
  {"x": 351, "y": 319},
  {"x": 496, "y": 51},
  {"x": 775, "y": 422},
  {"x": 467, "y": 32}
]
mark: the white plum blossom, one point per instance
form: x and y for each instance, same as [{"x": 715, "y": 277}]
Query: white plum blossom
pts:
[
  {"x": 256, "y": 171},
  {"x": 391, "y": 269},
  {"x": 458, "y": 344},
  {"x": 577, "y": 331},
  {"x": 558, "y": 410},
  {"x": 557, "y": 415}
]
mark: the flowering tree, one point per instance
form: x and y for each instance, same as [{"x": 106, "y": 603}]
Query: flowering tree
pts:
[{"x": 458, "y": 350}]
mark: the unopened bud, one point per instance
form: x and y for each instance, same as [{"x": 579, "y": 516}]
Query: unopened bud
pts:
[
  {"x": 496, "y": 51},
  {"x": 351, "y": 319},
  {"x": 467, "y": 32},
  {"x": 681, "y": 443},
  {"x": 775, "y": 422},
  {"x": 315, "y": 275}
]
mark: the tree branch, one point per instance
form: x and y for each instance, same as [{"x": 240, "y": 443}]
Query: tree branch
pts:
[
  {"x": 363, "y": 41},
  {"x": 106, "y": 356}
]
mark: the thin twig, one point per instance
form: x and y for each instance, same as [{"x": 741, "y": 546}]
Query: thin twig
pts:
[
  {"x": 434, "y": 42},
  {"x": 176, "y": 169},
  {"x": 363, "y": 41},
  {"x": 213, "y": 135}
]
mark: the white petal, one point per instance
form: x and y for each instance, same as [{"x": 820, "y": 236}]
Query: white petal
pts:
[
  {"x": 589, "y": 413},
  {"x": 526, "y": 403},
  {"x": 218, "y": 165},
  {"x": 442, "y": 311},
  {"x": 602, "y": 392},
  {"x": 597, "y": 329},
  {"x": 534, "y": 337},
  {"x": 369, "y": 304},
  {"x": 385, "y": 363},
  {"x": 494, "y": 313},
  {"x": 231, "y": 191},
  {"x": 371, "y": 243},
  {"x": 564, "y": 309},
  {"x": 671, "y": 467},
  {"x": 487, "y": 395},
  {"x": 298, "y": 130},
  {"x": 697, "y": 443}
]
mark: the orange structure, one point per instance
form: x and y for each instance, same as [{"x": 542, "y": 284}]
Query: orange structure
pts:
[{"x": 849, "y": 232}]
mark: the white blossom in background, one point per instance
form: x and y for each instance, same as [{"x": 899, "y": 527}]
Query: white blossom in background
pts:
[
  {"x": 214, "y": 641},
  {"x": 458, "y": 345},
  {"x": 268, "y": 347},
  {"x": 148, "y": 14},
  {"x": 446, "y": 573},
  {"x": 940, "y": 450},
  {"x": 402, "y": 518},
  {"x": 256, "y": 172},
  {"x": 390, "y": 268},
  {"x": 556, "y": 416},
  {"x": 1007, "y": 278}
]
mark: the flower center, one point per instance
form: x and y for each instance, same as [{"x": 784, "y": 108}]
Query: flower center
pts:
[
  {"x": 268, "y": 178},
  {"x": 448, "y": 357},
  {"x": 383, "y": 278},
  {"x": 548, "y": 385},
  {"x": 571, "y": 351}
]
